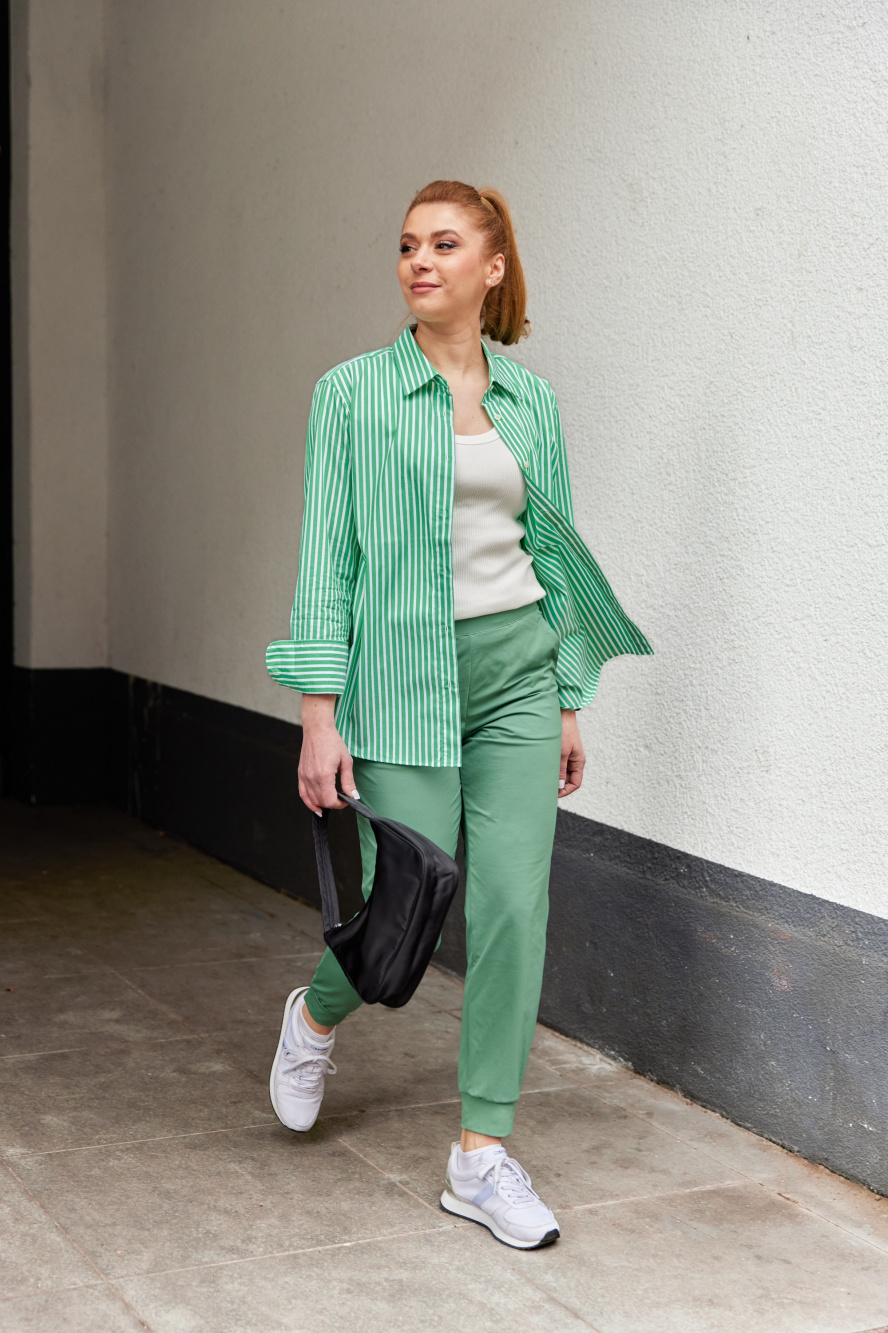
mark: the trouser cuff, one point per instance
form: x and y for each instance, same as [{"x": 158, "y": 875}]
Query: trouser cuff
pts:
[
  {"x": 320, "y": 1013},
  {"x": 483, "y": 1117}
]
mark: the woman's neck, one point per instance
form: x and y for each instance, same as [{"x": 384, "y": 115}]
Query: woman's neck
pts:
[{"x": 454, "y": 352}]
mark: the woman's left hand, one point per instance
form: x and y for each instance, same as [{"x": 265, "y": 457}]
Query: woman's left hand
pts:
[{"x": 573, "y": 757}]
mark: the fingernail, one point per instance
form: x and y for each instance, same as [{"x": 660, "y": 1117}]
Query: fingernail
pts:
[
  {"x": 354, "y": 793},
  {"x": 561, "y": 782}
]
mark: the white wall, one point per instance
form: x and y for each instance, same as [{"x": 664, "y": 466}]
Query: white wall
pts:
[
  {"x": 59, "y": 334},
  {"x": 700, "y": 195}
]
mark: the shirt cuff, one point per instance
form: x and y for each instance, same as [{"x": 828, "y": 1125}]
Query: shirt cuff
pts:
[{"x": 317, "y": 666}]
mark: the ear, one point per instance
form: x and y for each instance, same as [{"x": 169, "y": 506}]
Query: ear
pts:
[{"x": 496, "y": 269}]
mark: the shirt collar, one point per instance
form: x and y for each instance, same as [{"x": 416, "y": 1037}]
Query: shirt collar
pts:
[{"x": 415, "y": 369}]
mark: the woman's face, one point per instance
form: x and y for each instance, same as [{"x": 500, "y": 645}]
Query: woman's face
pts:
[{"x": 443, "y": 269}]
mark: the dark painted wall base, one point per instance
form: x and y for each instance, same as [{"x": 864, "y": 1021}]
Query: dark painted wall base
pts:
[
  {"x": 62, "y": 735},
  {"x": 761, "y": 1002},
  {"x": 223, "y": 778}
]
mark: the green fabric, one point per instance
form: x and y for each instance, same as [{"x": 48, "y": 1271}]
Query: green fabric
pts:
[
  {"x": 374, "y": 593},
  {"x": 506, "y": 795}
]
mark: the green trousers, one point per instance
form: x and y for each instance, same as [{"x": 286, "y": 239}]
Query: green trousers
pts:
[{"x": 505, "y": 797}]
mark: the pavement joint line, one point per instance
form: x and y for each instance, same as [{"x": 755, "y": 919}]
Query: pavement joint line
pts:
[
  {"x": 582, "y": 1046},
  {"x": 110, "y": 968},
  {"x": 100, "y": 969},
  {"x": 646, "y": 1198},
  {"x": 84, "y": 1254},
  {"x": 591, "y": 1062},
  {"x": 418, "y": 1106},
  {"x": 384, "y": 1110},
  {"x": 21, "y": 1154},
  {"x": 213, "y": 962},
  {"x": 442, "y": 1229},
  {"x": 68, "y": 1050},
  {"x": 202, "y": 872},
  {"x": 513, "y": 1265},
  {"x": 52, "y": 1291},
  {"x": 813, "y": 1212},
  {"x": 387, "y": 1176},
  {"x": 601, "y": 1065}
]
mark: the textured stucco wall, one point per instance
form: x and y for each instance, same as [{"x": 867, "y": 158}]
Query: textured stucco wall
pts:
[
  {"x": 59, "y": 334},
  {"x": 700, "y": 196}
]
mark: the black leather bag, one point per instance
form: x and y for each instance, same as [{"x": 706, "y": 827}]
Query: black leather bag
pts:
[{"x": 386, "y": 947}]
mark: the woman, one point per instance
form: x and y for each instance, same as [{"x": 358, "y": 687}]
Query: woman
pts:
[{"x": 448, "y": 622}]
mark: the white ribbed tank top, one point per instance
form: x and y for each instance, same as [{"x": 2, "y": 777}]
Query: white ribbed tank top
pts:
[{"x": 491, "y": 570}]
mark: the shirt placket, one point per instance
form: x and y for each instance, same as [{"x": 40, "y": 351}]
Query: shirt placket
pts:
[{"x": 449, "y": 665}]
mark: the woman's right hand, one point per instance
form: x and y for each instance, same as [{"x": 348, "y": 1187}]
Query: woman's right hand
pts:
[{"x": 324, "y": 756}]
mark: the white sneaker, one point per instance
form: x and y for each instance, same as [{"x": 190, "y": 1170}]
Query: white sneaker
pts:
[
  {"x": 488, "y": 1186},
  {"x": 297, "y": 1074}
]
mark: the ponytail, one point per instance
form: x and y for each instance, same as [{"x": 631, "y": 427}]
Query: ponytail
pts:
[{"x": 504, "y": 312}]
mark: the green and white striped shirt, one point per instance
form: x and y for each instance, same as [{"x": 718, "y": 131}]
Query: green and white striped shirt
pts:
[{"x": 372, "y": 617}]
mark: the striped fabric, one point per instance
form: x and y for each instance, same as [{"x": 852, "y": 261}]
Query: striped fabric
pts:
[{"x": 372, "y": 617}]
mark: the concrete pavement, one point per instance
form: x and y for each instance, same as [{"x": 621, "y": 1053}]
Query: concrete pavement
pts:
[{"x": 146, "y": 1184}]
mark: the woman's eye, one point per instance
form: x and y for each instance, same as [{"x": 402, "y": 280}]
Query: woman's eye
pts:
[
  {"x": 404, "y": 248},
  {"x": 447, "y": 245}
]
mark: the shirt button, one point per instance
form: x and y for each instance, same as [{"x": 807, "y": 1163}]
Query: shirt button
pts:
[{"x": 496, "y": 416}]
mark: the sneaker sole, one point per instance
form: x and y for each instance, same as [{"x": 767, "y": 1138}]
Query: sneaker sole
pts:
[
  {"x": 471, "y": 1213},
  {"x": 288, "y": 1008}
]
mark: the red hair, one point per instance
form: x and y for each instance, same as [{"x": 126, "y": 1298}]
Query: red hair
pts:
[{"x": 504, "y": 312}]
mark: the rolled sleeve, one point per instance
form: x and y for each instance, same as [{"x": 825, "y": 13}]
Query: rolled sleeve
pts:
[{"x": 313, "y": 668}]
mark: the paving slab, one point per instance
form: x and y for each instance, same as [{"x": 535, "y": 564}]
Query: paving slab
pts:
[
  {"x": 439, "y": 990},
  {"x": 384, "y": 1058},
  {"x": 612, "y": 1155},
  {"x": 848, "y": 1205},
  {"x": 95, "y": 1309},
  {"x": 210, "y": 926},
  {"x": 211, "y": 1198},
  {"x": 121, "y": 1092},
  {"x": 36, "y": 1254},
  {"x": 735, "y": 1260},
  {"x": 436, "y": 1283},
  {"x": 16, "y": 905},
  {"x": 39, "y": 947},
  {"x": 76, "y": 1010},
  {"x": 147, "y": 1183},
  {"x": 227, "y": 992}
]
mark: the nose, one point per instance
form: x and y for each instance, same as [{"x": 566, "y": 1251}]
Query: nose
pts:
[{"x": 420, "y": 262}]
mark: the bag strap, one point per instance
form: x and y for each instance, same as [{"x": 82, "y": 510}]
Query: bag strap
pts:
[{"x": 326, "y": 881}]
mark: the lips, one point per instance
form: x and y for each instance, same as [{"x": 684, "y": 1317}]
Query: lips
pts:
[{"x": 423, "y": 286}]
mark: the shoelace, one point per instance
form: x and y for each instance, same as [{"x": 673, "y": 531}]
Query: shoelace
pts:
[
  {"x": 306, "y": 1069},
  {"x": 509, "y": 1178}
]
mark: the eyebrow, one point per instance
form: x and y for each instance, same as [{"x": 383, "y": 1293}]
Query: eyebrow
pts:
[{"x": 445, "y": 231}]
